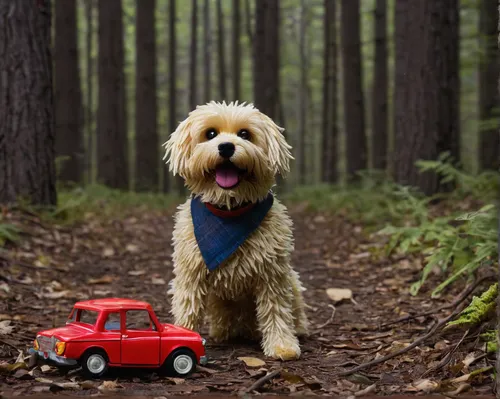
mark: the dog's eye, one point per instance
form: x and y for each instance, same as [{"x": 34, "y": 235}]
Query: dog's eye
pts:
[
  {"x": 244, "y": 134},
  {"x": 211, "y": 133}
]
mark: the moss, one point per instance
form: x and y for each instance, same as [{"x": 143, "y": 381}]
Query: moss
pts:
[
  {"x": 480, "y": 309},
  {"x": 491, "y": 340}
]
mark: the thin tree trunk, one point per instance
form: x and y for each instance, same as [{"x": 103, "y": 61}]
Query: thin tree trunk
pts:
[
  {"x": 27, "y": 132},
  {"x": 302, "y": 95},
  {"x": 146, "y": 133},
  {"x": 489, "y": 69},
  {"x": 353, "y": 89},
  {"x": 89, "y": 115},
  {"x": 380, "y": 87},
  {"x": 193, "y": 98},
  {"x": 266, "y": 57},
  {"x": 427, "y": 88},
  {"x": 236, "y": 53},
  {"x": 329, "y": 121},
  {"x": 221, "y": 52},
  {"x": 250, "y": 34},
  {"x": 68, "y": 95},
  {"x": 112, "y": 164},
  {"x": 207, "y": 79}
]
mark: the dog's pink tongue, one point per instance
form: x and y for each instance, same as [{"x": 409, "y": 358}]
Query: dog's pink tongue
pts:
[{"x": 226, "y": 177}]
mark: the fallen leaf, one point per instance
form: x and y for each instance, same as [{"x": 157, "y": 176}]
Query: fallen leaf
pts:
[
  {"x": 102, "y": 292},
  {"x": 252, "y": 361},
  {"x": 4, "y": 287},
  {"x": 22, "y": 374},
  {"x": 349, "y": 345},
  {"x": 367, "y": 390},
  {"x": 55, "y": 295},
  {"x": 471, "y": 375},
  {"x": 101, "y": 280},
  {"x": 338, "y": 294},
  {"x": 359, "y": 379},
  {"x": 462, "y": 387},
  {"x": 109, "y": 386},
  {"x": 5, "y": 327},
  {"x": 43, "y": 380},
  {"x": 27, "y": 280},
  {"x": 67, "y": 385},
  {"x": 257, "y": 373},
  {"x": 40, "y": 389},
  {"x": 136, "y": 272},
  {"x": 425, "y": 385},
  {"x": 132, "y": 248},
  {"x": 107, "y": 252},
  {"x": 46, "y": 368},
  {"x": 177, "y": 381},
  {"x": 157, "y": 280},
  {"x": 87, "y": 385}
]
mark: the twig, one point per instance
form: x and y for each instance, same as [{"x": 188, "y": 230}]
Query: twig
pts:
[
  {"x": 404, "y": 350},
  {"x": 330, "y": 319},
  {"x": 261, "y": 381},
  {"x": 464, "y": 294},
  {"x": 447, "y": 358}
]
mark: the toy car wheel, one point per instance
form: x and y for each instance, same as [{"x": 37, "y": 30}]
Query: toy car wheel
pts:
[
  {"x": 95, "y": 364},
  {"x": 181, "y": 362}
]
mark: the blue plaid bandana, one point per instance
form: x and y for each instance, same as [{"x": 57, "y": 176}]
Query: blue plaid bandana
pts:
[{"x": 219, "y": 233}]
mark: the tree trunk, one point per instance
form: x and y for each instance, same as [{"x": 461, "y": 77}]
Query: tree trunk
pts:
[
  {"x": 68, "y": 96},
  {"x": 236, "y": 53},
  {"x": 329, "y": 121},
  {"x": 353, "y": 89},
  {"x": 221, "y": 52},
  {"x": 89, "y": 115},
  {"x": 427, "y": 88},
  {"x": 193, "y": 58},
  {"x": 266, "y": 57},
  {"x": 302, "y": 95},
  {"x": 172, "y": 80},
  {"x": 489, "y": 69},
  {"x": 146, "y": 133},
  {"x": 112, "y": 165},
  {"x": 207, "y": 70},
  {"x": 380, "y": 87},
  {"x": 27, "y": 130}
]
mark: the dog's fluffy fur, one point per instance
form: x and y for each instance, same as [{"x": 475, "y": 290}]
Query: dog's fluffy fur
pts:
[{"x": 255, "y": 293}]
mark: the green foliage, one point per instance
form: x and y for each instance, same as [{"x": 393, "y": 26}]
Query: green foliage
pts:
[
  {"x": 480, "y": 309},
  {"x": 8, "y": 233},
  {"x": 491, "y": 339},
  {"x": 75, "y": 204}
]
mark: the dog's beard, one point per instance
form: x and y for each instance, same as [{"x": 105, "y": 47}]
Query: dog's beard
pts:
[{"x": 246, "y": 177}]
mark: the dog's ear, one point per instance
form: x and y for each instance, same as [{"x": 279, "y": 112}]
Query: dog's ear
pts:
[
  {"x": 278, "y": 148},
  {"x": 178, "y": 148}
]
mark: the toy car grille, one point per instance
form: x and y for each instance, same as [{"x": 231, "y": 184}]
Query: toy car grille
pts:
[{"x": 46, "y": 344}]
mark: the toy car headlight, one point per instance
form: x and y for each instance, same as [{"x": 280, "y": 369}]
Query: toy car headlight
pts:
[
  {"x": 203, "y": 341},
  {"x": 60, "y": 347},
  {"x": 36, "y": 346}
]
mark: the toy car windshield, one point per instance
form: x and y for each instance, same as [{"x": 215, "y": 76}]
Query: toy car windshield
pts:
[{"x": 83, "y": 316}]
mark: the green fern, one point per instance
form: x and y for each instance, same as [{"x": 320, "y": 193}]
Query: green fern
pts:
[{"x": 8, "y": 233}]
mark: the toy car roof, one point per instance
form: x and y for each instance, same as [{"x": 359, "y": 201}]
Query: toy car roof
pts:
[{"x": 112, "y": 304}]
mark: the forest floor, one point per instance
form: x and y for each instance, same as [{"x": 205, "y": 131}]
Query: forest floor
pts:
[{"x": 52, "y": 266}]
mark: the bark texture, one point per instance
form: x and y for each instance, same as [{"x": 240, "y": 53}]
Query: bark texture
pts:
[
  {"x": 221, "y": 51},
  {"x": 236, "y": 50},
  {"x": 427, "y": 88},
  {"x": 380, "y": 87},
  {"x": 68, "y": 95},
  {"x": 193, "y": 57},
  {"x": 329, "y": 150},
  {"x": 207, "y": 52},
  {"x": 303, "y": 94},
  {"x": 27, "y": 131},
  {"x": 266, "y": 57},
  {"x": 146, "y": 133},
  {"x": 353, "y": 89},
  {"x": 489, "y": 69},
  {"x": 112, "y": 165}
]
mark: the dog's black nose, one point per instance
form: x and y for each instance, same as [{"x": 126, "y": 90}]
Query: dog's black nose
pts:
[{"x": 226, "y": 150}]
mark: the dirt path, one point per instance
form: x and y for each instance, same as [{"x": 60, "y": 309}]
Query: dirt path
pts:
[{"x": 55, "y": 266}]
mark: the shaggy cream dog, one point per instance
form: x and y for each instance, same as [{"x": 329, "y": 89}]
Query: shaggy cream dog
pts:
[{"x": 229, "y": 155}]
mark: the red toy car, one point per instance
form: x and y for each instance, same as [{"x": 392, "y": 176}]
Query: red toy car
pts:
[{"x": 115, "y": 332}]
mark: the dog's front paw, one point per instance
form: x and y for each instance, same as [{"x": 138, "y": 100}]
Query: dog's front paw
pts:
[{"x": 283, "y": 351}]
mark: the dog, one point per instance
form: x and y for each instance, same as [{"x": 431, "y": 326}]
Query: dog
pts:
[{"x": 232, "y": 239}]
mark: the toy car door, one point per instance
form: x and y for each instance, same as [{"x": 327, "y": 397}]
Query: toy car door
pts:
[{"x": 140, "y": 339}]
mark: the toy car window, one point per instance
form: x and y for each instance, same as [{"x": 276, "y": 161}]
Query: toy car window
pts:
[
  {"x": 112, "y": 322},
  {"x": 88, "y": 316},
  {"x": 72, "y": 315},
  {"x": 139, "y": 320}
]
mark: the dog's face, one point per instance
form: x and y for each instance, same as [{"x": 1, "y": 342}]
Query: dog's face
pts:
[{"x": 228, "y": 153}]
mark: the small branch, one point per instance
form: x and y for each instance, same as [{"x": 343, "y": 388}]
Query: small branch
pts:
[
  {"x": 464, "y": 294},
  {"x": 261, "y": 381},
  {"x": 330, "y": 319},
  {"x": 404, "y": 350}
]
